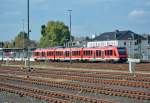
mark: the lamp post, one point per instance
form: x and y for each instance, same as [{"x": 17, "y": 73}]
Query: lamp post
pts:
[
  {"x": 70, "y": 44},
  {"x": 23, "y": 38},
  {"x": 133, "y": 45},
  {"x": 70, "y": 23},
  {"x": 28, "y": 13}
]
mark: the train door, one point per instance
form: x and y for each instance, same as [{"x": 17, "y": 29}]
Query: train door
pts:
[
  {"x": 103, "y": 55},
  {"x": 94, "y": 55}
]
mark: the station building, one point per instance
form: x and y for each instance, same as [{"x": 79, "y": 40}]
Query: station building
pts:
[
  {"x": 137, "y": 45},
  {"x": 16, "y": 54}
]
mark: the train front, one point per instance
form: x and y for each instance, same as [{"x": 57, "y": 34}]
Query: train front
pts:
[{"x": 123, "y": 55}]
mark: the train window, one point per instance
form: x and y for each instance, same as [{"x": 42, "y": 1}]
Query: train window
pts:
[
  {"x": 98, "y": 52},
  {"x": 35, "y": 53},
  {"x": 67, "y": 53},
  {"x": 84, "y": 53},
  {"x": 110, "y": 53},
  {"x": 79, "y": 53},
  {"x": 56, "y": 53},
  {"x": 106, "y": 53},
  {"x": 38, "y": 53},
  {"x": 59, "y": 53},
  {"x": 75, "y": 53},
  {"x": 121, "y": 51},
  {"x": 87, "y": 53},
  {"x": 43, "y": 54},
  {"x": 50, "y": 53}
]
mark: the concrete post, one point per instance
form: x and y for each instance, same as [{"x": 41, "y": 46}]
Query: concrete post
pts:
[{"x": 132, "y": 63}]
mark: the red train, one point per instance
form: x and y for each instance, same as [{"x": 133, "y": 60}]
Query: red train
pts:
[{"x": 104, "y": 54}]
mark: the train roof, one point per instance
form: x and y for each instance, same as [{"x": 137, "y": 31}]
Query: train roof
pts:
[{"x": 75, "y": 48}]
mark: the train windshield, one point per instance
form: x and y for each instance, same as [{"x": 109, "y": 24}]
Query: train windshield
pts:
[{"x": 122, "y": 51}]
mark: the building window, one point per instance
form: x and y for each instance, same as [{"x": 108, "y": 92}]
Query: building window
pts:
[
  {"x": 124, "y": 43},
  {"x": 130, "y": 43}
]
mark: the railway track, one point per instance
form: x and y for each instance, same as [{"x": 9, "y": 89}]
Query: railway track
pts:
[
  {"x": 98, "y": 75},
  {"x": 139, "y": 77},
  {"x": 73, "y": 86},
  {"x": 49, "y": 95},
  {"x": 105, "y": 66},
  {"x": 44, "y": 94},
  {"x": 22, "y": 91},
  {"x": 82, "y": 82},
  {"x": 93, "y": 78}
]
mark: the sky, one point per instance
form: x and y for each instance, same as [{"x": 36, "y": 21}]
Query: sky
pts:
[{"x": 88, "y": 16}]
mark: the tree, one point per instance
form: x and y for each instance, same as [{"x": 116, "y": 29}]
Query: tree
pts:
[
  {"x": 55, "y": 33},
  {"x": 7, "y": 45},
  {"x": 1, "y": 44},
  {"x": 87, "y": 38},
  {"x": 21, "y": 40}
]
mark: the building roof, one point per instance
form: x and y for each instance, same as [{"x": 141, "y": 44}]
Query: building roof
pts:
[{"x": 119, "y": 35}]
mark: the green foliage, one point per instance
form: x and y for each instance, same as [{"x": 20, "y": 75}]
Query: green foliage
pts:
[
  {"x": 20, "y": 40},
  {"x": 55, "y": 33},
  {"x": 8, "y": 45}
]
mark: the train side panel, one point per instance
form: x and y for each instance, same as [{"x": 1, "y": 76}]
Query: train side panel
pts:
[
  {"x": 105, "y": 54},
  {"x": 50, "y": 54}
]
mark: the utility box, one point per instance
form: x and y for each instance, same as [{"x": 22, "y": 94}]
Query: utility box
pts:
[{"x": 132, "y": 63}]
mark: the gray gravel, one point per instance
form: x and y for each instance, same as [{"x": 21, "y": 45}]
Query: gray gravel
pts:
[{"x": 6, "y": 97}]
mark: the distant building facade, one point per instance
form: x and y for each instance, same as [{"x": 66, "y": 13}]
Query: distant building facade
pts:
[
  {"x": 137, "y": 45},
  {"x": 77, "y": 42}
]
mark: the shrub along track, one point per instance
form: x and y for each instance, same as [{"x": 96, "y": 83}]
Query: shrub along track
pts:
[{"x": 81, "y": 81}]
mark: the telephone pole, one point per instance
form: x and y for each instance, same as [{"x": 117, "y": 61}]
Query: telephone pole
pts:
[{"x": 70, "y": 44}]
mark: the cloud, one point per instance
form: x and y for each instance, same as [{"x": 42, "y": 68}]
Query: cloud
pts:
[
  {"x": 139, "y": 16},
  {"x": 147, "y": 2},
  {"x": 93, "y": 2},
  {"x": 138, "y": 13}
]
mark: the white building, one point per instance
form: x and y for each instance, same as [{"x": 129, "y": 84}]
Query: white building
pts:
[{"x": 137, "y": 45}]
